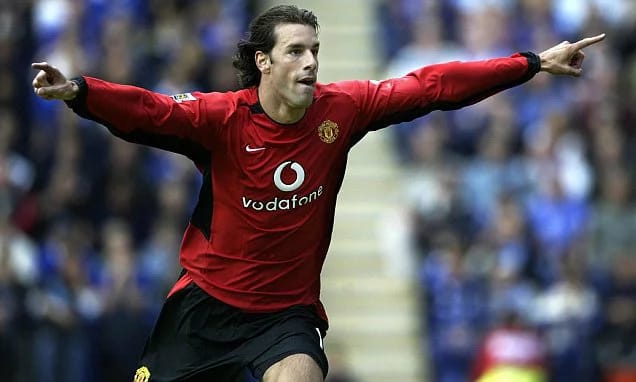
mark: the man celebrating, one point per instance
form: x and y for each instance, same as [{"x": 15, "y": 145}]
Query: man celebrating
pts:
[{"x": 272, "y": 156}]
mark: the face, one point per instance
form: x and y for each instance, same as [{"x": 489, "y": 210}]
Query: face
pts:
[{"x": 291, "y": 68}]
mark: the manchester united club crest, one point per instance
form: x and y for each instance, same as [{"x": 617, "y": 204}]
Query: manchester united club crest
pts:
[
  {"x": 142, "y": 374},
  {"x": 328, "y": 131}
]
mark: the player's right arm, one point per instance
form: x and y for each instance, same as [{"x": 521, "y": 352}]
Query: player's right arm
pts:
[{"x": 185, "y": 124}]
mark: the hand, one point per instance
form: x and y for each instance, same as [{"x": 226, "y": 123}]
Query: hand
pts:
[
  {"x": 50, "y": 83},
  {"x": 567, "y": 58}
]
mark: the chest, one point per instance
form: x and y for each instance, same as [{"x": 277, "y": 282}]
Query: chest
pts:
[{"x": 265, "y": 160}]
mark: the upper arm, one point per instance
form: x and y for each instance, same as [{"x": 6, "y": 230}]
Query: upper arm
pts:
[
  {"x": 189, "y": 124},
  {"x": 380, "y": 103}
]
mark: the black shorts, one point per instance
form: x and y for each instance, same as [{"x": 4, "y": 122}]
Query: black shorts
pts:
[{"x": 199, "y": 338}]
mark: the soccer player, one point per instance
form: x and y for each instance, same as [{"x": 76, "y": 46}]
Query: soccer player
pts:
[{"x": 272, "y": 156}]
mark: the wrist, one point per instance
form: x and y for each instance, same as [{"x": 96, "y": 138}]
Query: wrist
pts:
[
  {"x": 544, "y": 63},
  {"x": 534, "y": 62},
  {"x": 75, "y": 89},
  {"x": 77, "y": 93}
]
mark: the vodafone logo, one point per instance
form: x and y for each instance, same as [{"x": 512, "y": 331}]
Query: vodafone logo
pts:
[
  {"x": 292, "y": 201},
  {"x": 300, "y": 176}
]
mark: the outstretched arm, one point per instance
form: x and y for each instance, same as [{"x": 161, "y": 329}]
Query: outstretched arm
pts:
[
  {"x": 454, "y": 85},
  {"x": 181, "y": 124}
]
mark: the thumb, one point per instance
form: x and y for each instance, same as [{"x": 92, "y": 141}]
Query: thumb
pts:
[
  {"x": 53, "y": 91},
  {"x": 572, "y": 71}
]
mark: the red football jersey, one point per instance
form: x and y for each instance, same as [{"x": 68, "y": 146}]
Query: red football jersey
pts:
[{"x": 259, "y": 235}]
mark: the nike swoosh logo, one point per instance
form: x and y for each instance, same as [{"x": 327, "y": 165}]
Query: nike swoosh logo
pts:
[{"x": 251, "y": 150}]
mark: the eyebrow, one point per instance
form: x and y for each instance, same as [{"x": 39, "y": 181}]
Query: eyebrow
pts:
[{"x": 296, "y": 46}]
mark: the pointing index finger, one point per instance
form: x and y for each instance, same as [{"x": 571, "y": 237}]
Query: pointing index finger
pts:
[
  {"x": 588, "y": 41},
  {"x": 43, "y": 66}
]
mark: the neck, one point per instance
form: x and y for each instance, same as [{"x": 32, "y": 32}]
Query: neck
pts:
[{"x": 276, "y": 107}]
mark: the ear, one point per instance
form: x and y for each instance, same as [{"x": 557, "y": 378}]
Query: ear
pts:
[{"x": 263, "y": 62}]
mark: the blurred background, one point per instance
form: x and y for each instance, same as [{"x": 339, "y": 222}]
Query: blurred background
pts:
[{"x": 495, "y": 243}]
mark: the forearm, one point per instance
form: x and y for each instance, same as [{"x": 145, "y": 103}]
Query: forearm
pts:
[{"x": 457, "y": 84}]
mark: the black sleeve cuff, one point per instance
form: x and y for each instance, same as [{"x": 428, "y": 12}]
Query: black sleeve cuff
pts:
[
  {"x": 78, "y": 104},
  {"x": 534, "y": 62}
]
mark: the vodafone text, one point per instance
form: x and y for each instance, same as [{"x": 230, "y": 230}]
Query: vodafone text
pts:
[{"x": 281, "y": 203}]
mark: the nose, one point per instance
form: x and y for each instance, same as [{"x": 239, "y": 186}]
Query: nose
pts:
[{"x": 310, "y": 61}]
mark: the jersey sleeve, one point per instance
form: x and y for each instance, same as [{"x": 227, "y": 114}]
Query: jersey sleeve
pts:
[
  {"x": 446, "y": 86},
  {"x": 187, "y": 124}
]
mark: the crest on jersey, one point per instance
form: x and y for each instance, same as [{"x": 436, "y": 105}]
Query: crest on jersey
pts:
[
  {"x": 328, "y": 131},
  {"x": 142, "y": 374},
  {"x": 181, "y": 98}
]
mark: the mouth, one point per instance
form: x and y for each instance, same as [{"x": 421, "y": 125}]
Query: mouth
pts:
[{"x": 307, "y": 81}]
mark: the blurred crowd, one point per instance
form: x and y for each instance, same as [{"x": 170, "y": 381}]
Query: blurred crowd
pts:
[
  {"x": 90, "y": 225},
  {"x": 521, "y": 217}
]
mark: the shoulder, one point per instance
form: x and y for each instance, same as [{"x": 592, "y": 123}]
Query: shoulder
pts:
[
  {"x": 228, "y": 102},
  {"x": 346, "y": 90},
  {"x": 238, "y": 97},
  {"x": 215, "y": 107},
  {"x": 341, "y": 87}
]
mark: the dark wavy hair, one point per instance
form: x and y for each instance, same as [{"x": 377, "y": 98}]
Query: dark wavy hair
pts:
[{"x": 261, "y": 37}]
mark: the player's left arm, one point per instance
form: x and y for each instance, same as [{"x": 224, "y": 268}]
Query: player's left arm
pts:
[
  {"x": 454, "y": 85},
  {"x": 446, "y": 86}
]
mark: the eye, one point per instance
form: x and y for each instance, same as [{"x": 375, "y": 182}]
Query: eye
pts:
[{"x": 296, "y": 52}]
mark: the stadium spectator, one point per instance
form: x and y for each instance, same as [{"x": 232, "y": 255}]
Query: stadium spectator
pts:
[
  {"x": 455, "y": 312},
  {"x": 567, "y": 313},
  {"x": 616, "y": 341}
]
